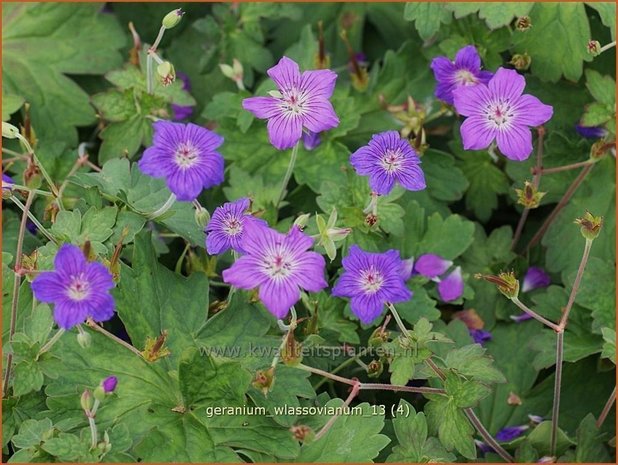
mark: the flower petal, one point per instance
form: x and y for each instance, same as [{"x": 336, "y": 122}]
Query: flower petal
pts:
[
  {"x": 101, "y": 307},
  {"x": 531, "y": 112},
  {"x": 286, "y": 73},
  {"x": 452, "y": 287},
  {"x": 366, "y": 308},
  {"x": 320, "y": 115},
  {"x": 284, "y": 131},
  {"x": 431, "y": 265},
  {"x": 507, "y": 84},
  {"x": 49, "y": 287},
  {"x": 262, "y": 107},
  {"x": 244, "y": 273},
  {"x": 476, "y": 134},
  {"x": 468, "y": 57},
  {"x": 68, "y": 313},
  {"x": 470, "y": 100},
  {"x": 319, "y": 83},
  {"x": 278, "y": 296},
  {"x": 515, "y": 143},
  {"x": 70, "y": 260}
]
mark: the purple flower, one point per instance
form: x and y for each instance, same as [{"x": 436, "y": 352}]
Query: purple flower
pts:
[
  {"x": 480, "y": 336},
  {"x": 77, "y": 288},
  {"x": 431, "y": 265},
  {"x": 225, "y": 229},
  {"x": 181, "y": 112},
  {"x": 371, "y": 280},
  {"x": 483, "y": 447},
  {"x": 590, "y": 132},
  {"x": 109, "y": 384},
  {"x": 521, "y": 317},
  {"x": 535, "y": 278},
  {"x": 407, "y": 268},
  {"x": 388, "y": 159},
  {"x": 185, "y": 155},
  {"x": 311, "y": 140},
  {"x": 301, "y": 101},
  {"x": 7, "y": 181},
  {"x": 498, "y": 111},
  {"x": 451, "y": 286},
  {"x": 465, "y": 71},
  {"x": 279, "y": 264},
  {"x": 510, "y": 432}
]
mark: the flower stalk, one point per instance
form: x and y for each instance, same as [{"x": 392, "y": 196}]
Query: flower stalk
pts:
[{"x": 288, "y": 175}]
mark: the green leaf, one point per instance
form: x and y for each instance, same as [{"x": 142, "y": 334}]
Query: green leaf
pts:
[
  {"x": 401, "y": 369},
  {"x": 602, "y": 88},
  {"x": 67, "y": 447},
  {"x": 607, "y": 12},
  {"x": 452, "y": 426},
  {"x": 539, "y": 437},
  {"x": 590, "y": 444},
  {"x": 166, "y": 301},
  {"x": 414, "y": 445},
  {"x": 427, "y": 17},
  {"x": 465, "y": 393},
  {"x": 448, "y": 238},
  {"x": 445, "y": 181},
  {"x": 10, "y": 104},
  {"x": 205, "y": 381},
  {"x": 32, "y": 433},
  {"x": 352, "y": 438},
  {"x": 42, "y": 43},
  {"x": 495, "y": 14},
  {"x": 28, "y": 378},
  {"x": 471, "y": 361},
  {"x": 115, "y": 106},
  {"x": 609, "y": 348},
  {"x": 124, "y": 138},
  {"x": 563, "y": 23}
]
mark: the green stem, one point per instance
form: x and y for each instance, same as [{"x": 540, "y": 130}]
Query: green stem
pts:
[
  {"x": 558, "y": 380},
  {"x": 288, "y": 174},
  {"x": 341, "y": 366},
  {"x": 355, "y": 388},
  {"x": 94, "y": 437},
  {"x": 399, "y": 321},
  {"x": 572, "y": 166},
  {"x": 607, "y": 408},
  {"x": 163, "y": 208},
  {"x": 607, "y": 47},
  {"x": 16, "y": 284},
  {"x": 534, "y": 315},
  {"x": 48, "y": 345},
  {"x": 19, "y": 187},
  {"x": 44, "y": 172},
  {"x": 576, "y": 283},
  {"x": 90, "y": 322},
  {"x": 32, "y": 218}
]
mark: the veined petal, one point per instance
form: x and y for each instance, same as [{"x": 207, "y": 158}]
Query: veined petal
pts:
[
  {"x": 431, "y": 265},
  {"x": 319, "y": 83},
  {"x": 476, "y": 134},
  {"x": 443, "y": 68},
  {"x": 531, "y": 112},
  {"x": 310, "y": 272},
  {"x": 452, "y": 286},
  {"x": 244, "y": 273},
  {"x": 284, "y": 131},
  {"x": 468, "y": 57},
  {"x": 49, "y": 287},
  {"x": 186, "y": 184},
  {"x": 70, "y": 260},
  {"x": 469, "y": 100},
  {"x": 366, "y": 308},
  {"x": 319, "y": 115},
  {"x": 278, "y": 296},
  {"x": 286, "y": 73},
  {"x": 515, "y": 142},
  {"x": 262, "y": 107},
  {"x": 68, "y": 313},
  {"x": 101, "y": 307},
  {"x": 507, "y": 84}
]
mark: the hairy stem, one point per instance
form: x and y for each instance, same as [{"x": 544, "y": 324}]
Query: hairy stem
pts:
[
  {"x": 326, "y": 374},
  {"x": 576, "y": 283},
  {"x": 163, "y": 208},
  {"x": 33, "y": 218},
  {"x": 44, "y": 172},
  {"x": 555, "y": 412},
  {"x": 608, "y": 406},
  {"x": 16, "y": 284},
  {"x": 399, "y": 321},
  {"x": 572, "y": 166},
  {"x": 391, "y": 387},
  {"x": 561, "y": 204},
  {"x": 91, "y": 323},
  {"x": 607, "y": 46},
  {"x": 288, "y": 174},
  {"x": 341, "y": 366},
  {"x": 48, "y": 345},
  {"x": 534, "y": 315},
  {"x": 346, "y": 403}
]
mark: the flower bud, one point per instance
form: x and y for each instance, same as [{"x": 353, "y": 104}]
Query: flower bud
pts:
[
  {"x": 520, "y": 61},
  {"x": 109, "y": 384},
  {"x": 227, "y": 70},
  {"x": 172, "y": 19},
  {"x": 99, "y": 393},
  {"x": 506, "y": 283},
  {"x": 167, "y": 73},
  {"x": 202, "y": 217},
  {"x": 84, "y": 340},
  {"x": 375, "y": 369},
  {"x": 594, "y": 48},
  {"x": 590, "y": 225},
  {"x": 302, "y": 220},
  {"x": 529, "y": 196},
  {"x": 9, "y": 131},
  {"x": 378, "y": 337},
  {"x": 86, "y": 401},
  {"x": 264, "y": 380},
  {"x": 302, "y": 433},
  {"x": 523, "y": 23}
]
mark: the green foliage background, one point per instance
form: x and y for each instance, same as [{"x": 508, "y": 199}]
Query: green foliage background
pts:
[{"x": 70, "y": 63}]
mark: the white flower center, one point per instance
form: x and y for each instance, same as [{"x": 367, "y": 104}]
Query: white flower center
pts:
[
  {"x": 292, "y": 102},
  {"x": 79, "y": 289},
  {"x": 500, "y": 114},
  {"x": 186, "y": 155},
  {"x": 464, "y": 77},
  {"x": 391, "y": 161},
  {"x": 278, "y": 264},
  {"x": 232, "y": 226},
  {"x": 371, "y": 280}
]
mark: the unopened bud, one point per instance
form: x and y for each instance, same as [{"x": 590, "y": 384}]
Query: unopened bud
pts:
[
  {"x": 109, "y": 384},
  {"x": 379, "y": 337},
  {"x": 375, "y": 369},
  {"x": 594, "y": 47},
  {"x": 590, "y": 225},
  {"x": 371, "y": 219},
  {"x": 172, "y": 19},
  {"x": 291, "y": 353},
  {"x": 520, "y": 61},
  {"x": 84, "y": 340},
  {"x": 302, "y": 433},
  {"x": 99, "y": 393},
  {"x": 9, "y": 131},
  {"x": 523, "y": 23},
  {"x": 302, "y": 220},
  {"x": 506, "y": 283},
  {"x": 202, "y": 217},
  {"x": 264, "y": 380},
  {"x": 86, "y": 401},
  {"x": 167, "y": 73},
  {"x": 529, "y": 196}
]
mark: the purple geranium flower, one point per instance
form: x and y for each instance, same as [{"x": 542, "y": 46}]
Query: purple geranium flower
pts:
[
  {"x": 300, "y": 102},
  {"x": 498, "y": 111},
  {"x": 535, "y": 278},
  {"x": 480, "y": 336},
  {"x": 407, "y": 268},
  {"x": 185, "y": 155},
  {"x": 279, "y": 264},
  {"x": 510, "y": 432},
  {"x": 371, "y": 280},
  {"x": 109, "y": 384},
  {"x": 451, "y": 286},
  {"x": 431, "y": 265},
  {"x": 311, "y": 140},
  {"x": 181, "y": 112},
  {"x": 225, "y": 229},
  {"x": 387, "y": 159},
  {"x": 590, "y": 132},
  {"x": 7, "y": 181},
  {"x": 465, "y": 71},
  {"x": 521, "y": 317},
  {"x": 78, "y": 289}
]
